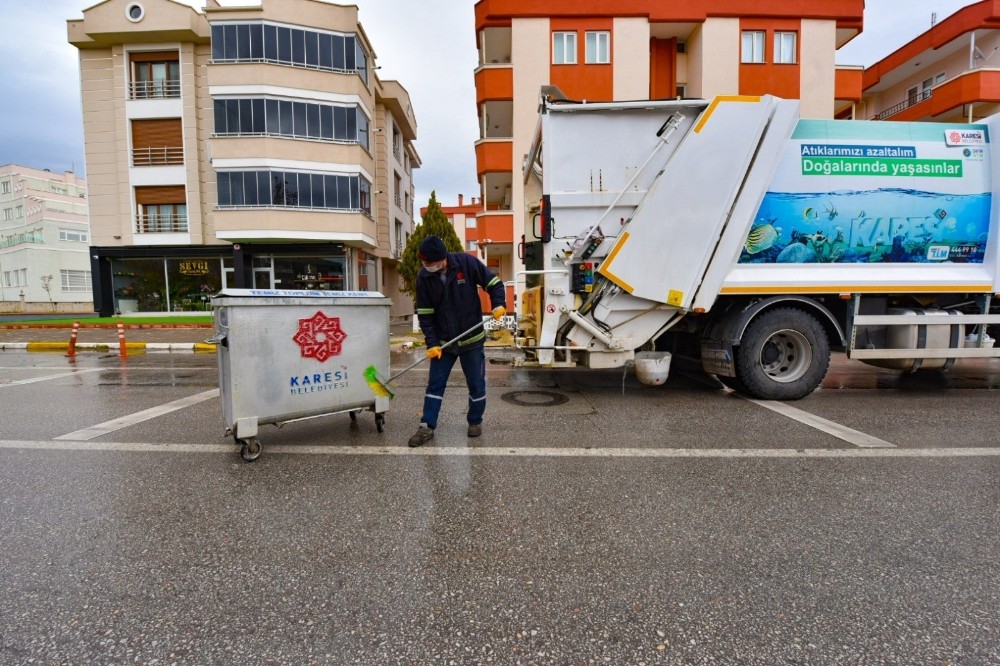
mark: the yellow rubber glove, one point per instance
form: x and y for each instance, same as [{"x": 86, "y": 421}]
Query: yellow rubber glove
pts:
[
  {"x": 499, "y": 311},
  {"x": 433, "y": 352}
]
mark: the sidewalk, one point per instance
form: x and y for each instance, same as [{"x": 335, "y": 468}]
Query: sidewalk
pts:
[{"x": 181, "y": 337}]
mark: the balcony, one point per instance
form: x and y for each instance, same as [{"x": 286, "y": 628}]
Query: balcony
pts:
[
  {"x": 162, "y": 156},
  {"x": 161, "y": 224},
  {"x": 497, "y": 226},
  {"x": 155, "y": 89},
  {"x": 494, "y": 82},
  {"x": 980, "y": 85},
  {"x": 494, "y": 155}
]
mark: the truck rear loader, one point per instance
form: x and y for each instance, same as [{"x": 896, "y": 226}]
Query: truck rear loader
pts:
[{"x": 734, "y": 232}]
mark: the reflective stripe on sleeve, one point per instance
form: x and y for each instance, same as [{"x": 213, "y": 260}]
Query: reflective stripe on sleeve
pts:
[{"x": 421, "y": 311}]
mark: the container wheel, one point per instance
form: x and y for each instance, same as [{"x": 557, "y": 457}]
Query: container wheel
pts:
[
  {"x": 250, "y": 449},
  {"x": 379, "y": 421},
  {"x": 783, "y": 355}
]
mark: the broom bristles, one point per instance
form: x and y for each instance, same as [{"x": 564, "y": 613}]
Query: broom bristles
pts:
[{"x": 380, "y": 389}]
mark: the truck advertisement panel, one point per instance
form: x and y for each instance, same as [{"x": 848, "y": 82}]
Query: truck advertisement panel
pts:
[{"x": 876, "y": 192}]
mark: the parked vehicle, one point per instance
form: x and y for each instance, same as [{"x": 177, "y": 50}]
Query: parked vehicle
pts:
[{"x": 735, "y": 232}]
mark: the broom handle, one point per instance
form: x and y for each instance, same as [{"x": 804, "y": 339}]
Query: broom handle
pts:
[{"x": 424, "y": 358}]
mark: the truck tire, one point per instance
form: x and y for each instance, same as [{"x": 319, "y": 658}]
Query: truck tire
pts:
[{"x": 783, "y": 355}]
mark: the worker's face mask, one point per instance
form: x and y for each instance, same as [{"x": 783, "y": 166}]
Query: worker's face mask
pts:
[{"x": 435, "y": 267}]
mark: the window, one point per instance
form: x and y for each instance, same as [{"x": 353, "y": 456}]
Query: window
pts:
[
  {"x": 257, "y": 41},
  {"x": 399, "y": 238},
  {"x": 397, "y": 144},
  {"x": 290, "y": 189},
  {"x": 162, "y": 218},
  {"x": 5, "y": 187},
  {"x": 74, "y": 235},
  {"x": 8, "y": 213},
  {"x": 397, "y": 185},
  {"x": 784, "y": 47},
  {"x": 15, "y": 278},
  {"x": 564, "y": 48},
  {"x": 753, "y": 46},
  {"x": 927, "y": 85},
  {"x": 306, "y": 120},
  {"x": 155, "y": 76},
  {"x": 74, "y": 280},
  {"x": 470, "y": 222},
  {"x": 598, "y": 50},
  {"x": 19, "y": 212},
  {"x": 471, "y": 246}
]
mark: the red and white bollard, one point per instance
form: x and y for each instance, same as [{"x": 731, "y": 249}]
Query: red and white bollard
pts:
[
  {"x": 71, "y": 352},
  {"x": 121, "y": 340}
]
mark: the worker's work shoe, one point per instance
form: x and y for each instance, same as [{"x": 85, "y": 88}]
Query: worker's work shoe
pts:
[
  {"x": 423, "y": 435},
  {"x": 475, "y": 429}
]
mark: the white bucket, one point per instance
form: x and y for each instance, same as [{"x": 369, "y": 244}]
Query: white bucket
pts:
[{"x": 652, "y": 368}]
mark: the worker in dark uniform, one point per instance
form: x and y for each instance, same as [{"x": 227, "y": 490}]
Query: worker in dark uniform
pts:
[{"x": 448, "y": 304}]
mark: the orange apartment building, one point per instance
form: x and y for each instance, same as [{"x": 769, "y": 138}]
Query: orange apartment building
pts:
[
  {"x": 950, "y": 73},
  {"x": 240, "y": 146},
  {"x": 638, "y": 49}
]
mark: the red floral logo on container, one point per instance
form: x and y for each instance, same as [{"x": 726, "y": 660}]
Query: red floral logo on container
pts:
[
  {"x": 320, "y": 337},
  {"x": 955, "y": 137}
]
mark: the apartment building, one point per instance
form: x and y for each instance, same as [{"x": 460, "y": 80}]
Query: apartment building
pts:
[
  {"x": 240, "y": 146},
  {"x": 639, "y": 49},
  {"x": 44, "y": 239},
  {"x": 949, "y": 73}
]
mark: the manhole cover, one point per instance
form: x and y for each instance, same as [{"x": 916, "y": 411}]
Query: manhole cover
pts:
[{"x": 534, "y": 398}]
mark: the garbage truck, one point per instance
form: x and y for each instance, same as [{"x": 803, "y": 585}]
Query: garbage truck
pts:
[{"x": 736, "y": 233}]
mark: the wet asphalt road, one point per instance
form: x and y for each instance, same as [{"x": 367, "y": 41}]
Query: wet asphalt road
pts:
[{"x": 596, "y": 521}]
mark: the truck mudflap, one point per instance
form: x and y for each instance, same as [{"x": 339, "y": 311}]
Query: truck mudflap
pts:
[{"x": 717, "y": 358}]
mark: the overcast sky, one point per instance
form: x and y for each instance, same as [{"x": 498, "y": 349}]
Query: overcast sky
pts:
[{"x": 427, "y": 45}]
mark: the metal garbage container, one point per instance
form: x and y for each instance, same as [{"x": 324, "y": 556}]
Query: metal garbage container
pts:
[{"x": 293, "y": 355}]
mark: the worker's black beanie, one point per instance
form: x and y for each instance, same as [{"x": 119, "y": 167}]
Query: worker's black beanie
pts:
[{"x": 432, "y": 249}]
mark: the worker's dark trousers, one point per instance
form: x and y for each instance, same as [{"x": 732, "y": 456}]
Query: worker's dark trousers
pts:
[{"x": 474, "y": 367}]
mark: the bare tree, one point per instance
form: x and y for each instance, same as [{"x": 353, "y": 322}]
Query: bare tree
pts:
[{"x": 47, "y": 286}]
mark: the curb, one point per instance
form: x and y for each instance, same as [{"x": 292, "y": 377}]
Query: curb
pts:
[
  {"x": 138, "y": 347},
  {"x": 108, "y": 346}
]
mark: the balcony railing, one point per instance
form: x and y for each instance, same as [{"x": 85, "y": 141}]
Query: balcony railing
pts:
[
  {"x": 156, "y": 89},
  {"x": 905, "y": 104},
  {"x": 161, "y": 224},
  {"x": 157, "y": 156}
]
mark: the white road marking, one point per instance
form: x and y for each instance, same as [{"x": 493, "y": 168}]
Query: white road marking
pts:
[
  {"x": 46, "y": 378},
  {"x": 855, "y": 437},
  {"x": 139, "y": 417},
  {"x": 510, "y": 451}
]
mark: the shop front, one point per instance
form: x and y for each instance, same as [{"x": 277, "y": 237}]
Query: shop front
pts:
[{"x": 184, "y": 279}]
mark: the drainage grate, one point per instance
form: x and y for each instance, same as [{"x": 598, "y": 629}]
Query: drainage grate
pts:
[{"x": 534, "y": 398}]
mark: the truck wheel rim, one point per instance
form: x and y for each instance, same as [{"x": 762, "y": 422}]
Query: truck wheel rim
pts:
[{"x": 786, "y": 356}]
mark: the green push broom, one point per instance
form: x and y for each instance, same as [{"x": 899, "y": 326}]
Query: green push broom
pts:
[{"x": 381, "y": 388}]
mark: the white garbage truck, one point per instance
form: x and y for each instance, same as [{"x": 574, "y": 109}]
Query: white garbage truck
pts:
[{"x": 734, "y": 232}]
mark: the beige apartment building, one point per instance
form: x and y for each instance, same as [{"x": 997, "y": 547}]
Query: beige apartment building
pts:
[
  {"x": 249, "y": 146},
  {"x": 44, "y": 241}
]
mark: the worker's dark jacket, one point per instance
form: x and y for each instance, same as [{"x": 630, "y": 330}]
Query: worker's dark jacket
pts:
[{"x": 447, "y": 307}]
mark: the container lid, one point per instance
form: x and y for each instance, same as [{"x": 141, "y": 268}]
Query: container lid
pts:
[{"x": 298, "y": 293}]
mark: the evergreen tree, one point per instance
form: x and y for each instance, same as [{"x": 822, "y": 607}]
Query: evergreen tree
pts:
[{"x": 434, "y": 223}]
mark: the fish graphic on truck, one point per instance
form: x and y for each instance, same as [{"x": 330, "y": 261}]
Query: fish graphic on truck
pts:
[{"x": 935, "y": 196}]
